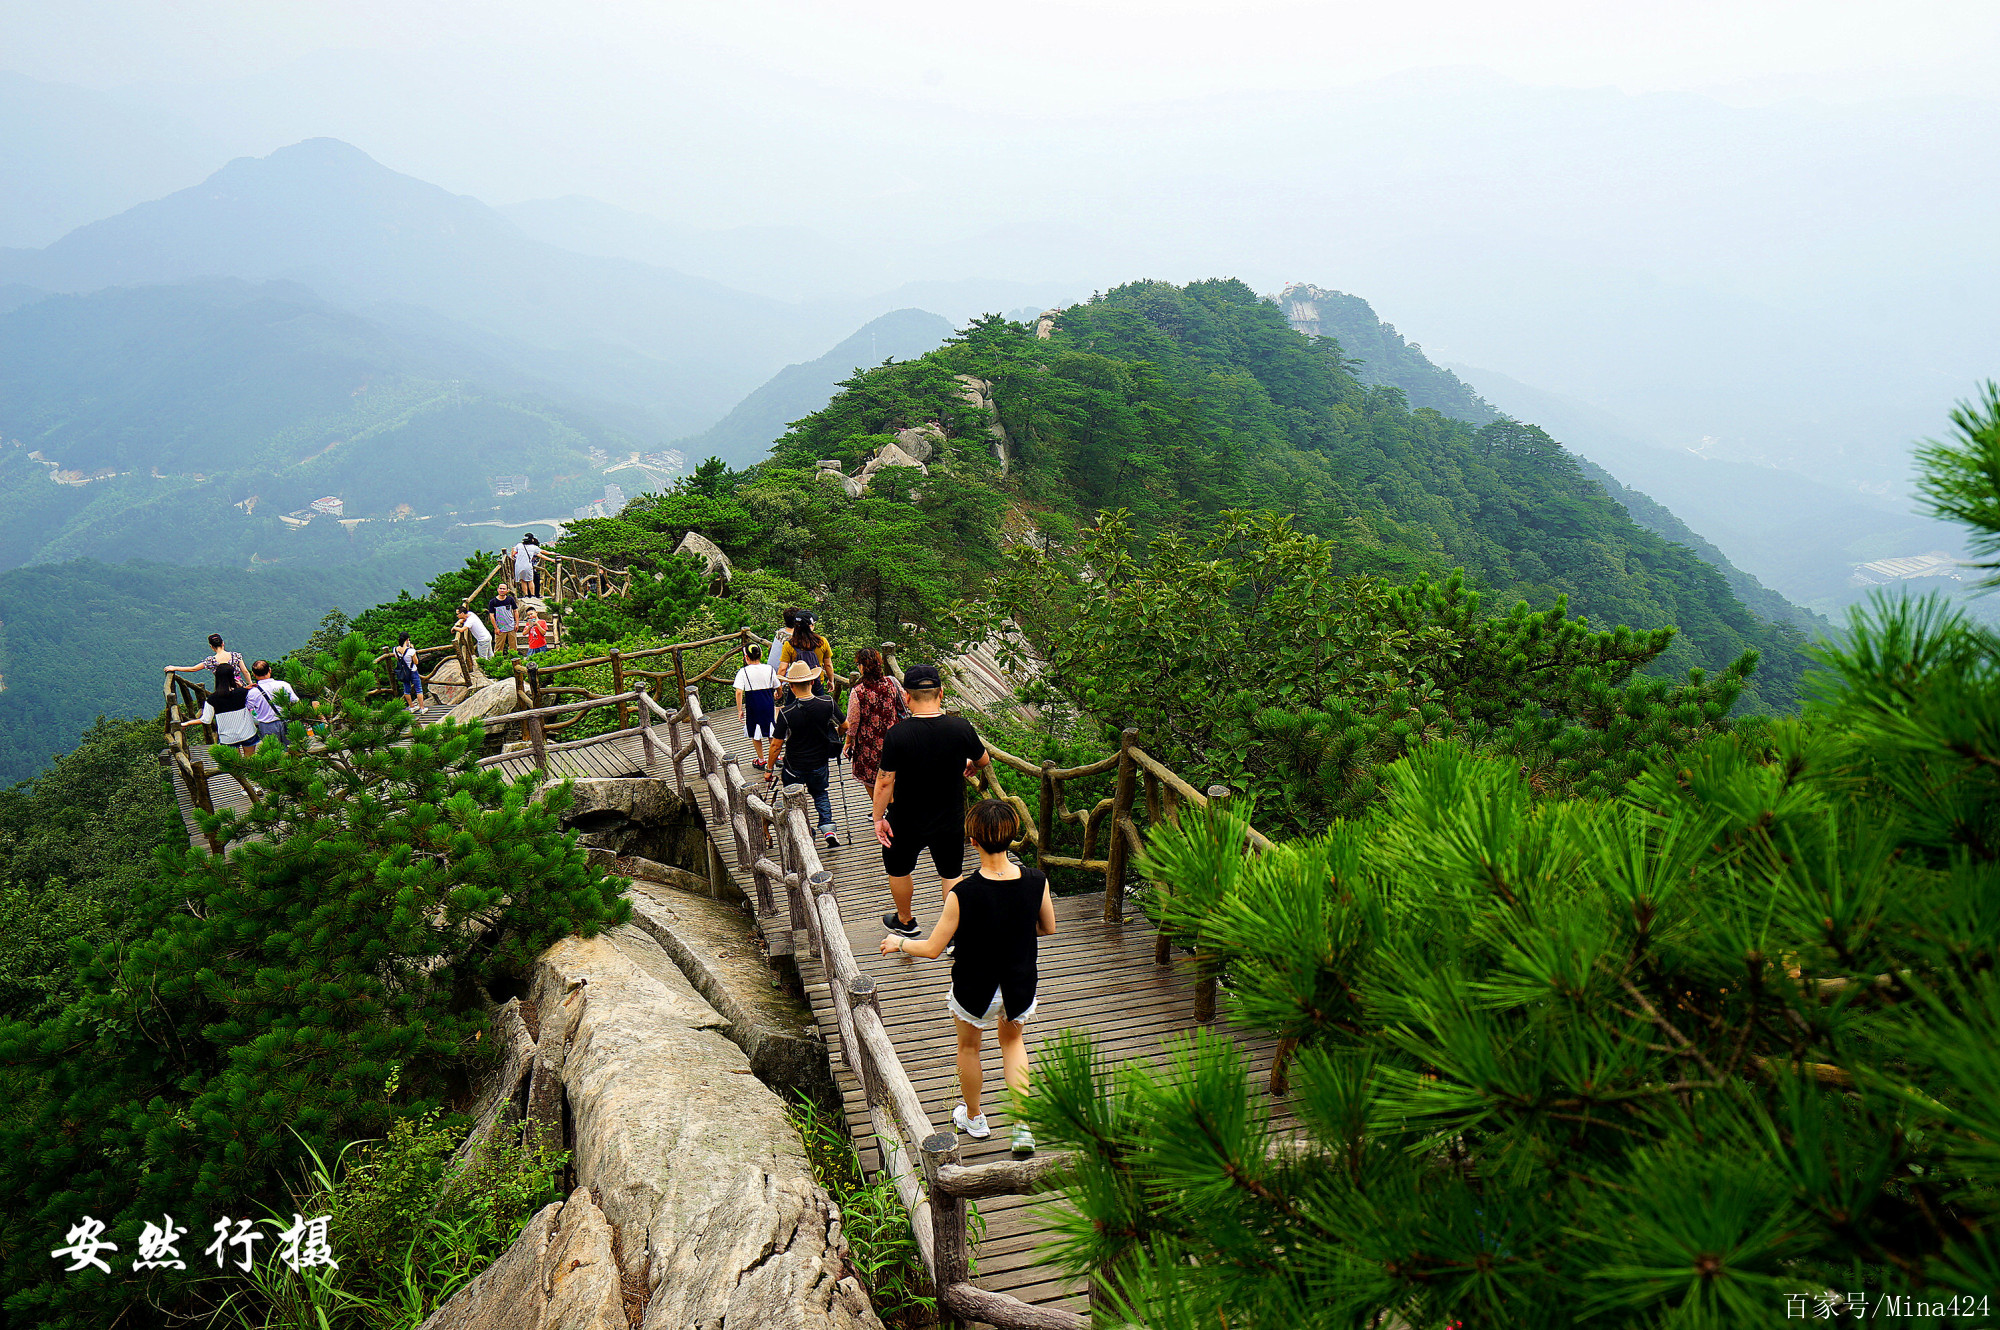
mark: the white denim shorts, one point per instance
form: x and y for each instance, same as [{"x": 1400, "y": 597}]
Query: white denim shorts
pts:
[{"x": 992, "y": 1012}]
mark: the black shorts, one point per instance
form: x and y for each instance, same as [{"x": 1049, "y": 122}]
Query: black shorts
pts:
[{"x": 946, "y": 842}]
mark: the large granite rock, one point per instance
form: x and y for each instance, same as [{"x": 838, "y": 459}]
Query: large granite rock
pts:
[
  {"x": 715, "y": 946},
  {"x": 711, "y": 556},
  {"x": 447, "y": 684},
  {"x": 558, "y": 1275},
  {"x": 691, "y": 1158},
  {"x": 920, "y": 442},
  {"x": 493, "y": 699}
]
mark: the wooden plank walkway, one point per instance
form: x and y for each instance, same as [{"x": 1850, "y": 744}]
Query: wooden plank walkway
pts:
[{"x": 1096, "y": 976}]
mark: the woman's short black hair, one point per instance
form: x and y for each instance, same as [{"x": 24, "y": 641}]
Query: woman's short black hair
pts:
[
  {"x": 215, "y": 640},
  {"x": 992, "y": 825},
  {"x": 402, "y": 639}
]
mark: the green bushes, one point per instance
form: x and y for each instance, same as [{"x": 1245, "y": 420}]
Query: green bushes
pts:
[
  {"x": 882, "y": 1253},
  {"x": 362, "y": 909}
]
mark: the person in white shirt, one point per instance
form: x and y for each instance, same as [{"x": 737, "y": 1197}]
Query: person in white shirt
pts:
[
  {"x": 475, "y": 627},
  {"x": 527, "y": 577},
  {"x": 756, "y": 689},
  {"x": 228, "y": 709},
  {"x": 268, "y": 698}
]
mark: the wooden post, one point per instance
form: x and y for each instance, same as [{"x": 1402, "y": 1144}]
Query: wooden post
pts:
[
  {"x": 954, "y": 1262},
  {"x": 521, "y": 700},
  {"x": 535, "y": 739},
  {"x": 1281, "y": 1081},
  {"x": 535, "y": 685},
  {"x": 1205, "y": 978},
  {"x": 1153, "y": 814},
  {"x": 1121, "y": 811},
  {"x": 646, "y": 742},
  {"x": 1045, "y": 816},
  {"x": 680, "y": 674},
  {"x": 861, "y": 993},
  {"x": 618, "y": 684}
]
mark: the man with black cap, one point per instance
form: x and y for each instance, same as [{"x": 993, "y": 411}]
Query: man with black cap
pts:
[{"x": 920, "y": 793}]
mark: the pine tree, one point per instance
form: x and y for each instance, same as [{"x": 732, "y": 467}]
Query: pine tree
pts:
[
  {"x": 344, "y": 937},
  {"x": 1722, "y": 1050}
]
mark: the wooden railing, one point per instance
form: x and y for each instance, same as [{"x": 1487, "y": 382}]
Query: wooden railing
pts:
[
  {"x": 185, "y": 699},
  {"x": 775, "y": 845}
]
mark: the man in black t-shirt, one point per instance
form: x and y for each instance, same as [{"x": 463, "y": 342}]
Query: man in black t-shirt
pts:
[
  {"x": 803, "y": 742},
  {"x": 920, "y": 793}
]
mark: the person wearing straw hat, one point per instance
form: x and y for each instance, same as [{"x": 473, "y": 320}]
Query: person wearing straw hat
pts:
[{"x": 804, "y": 742}]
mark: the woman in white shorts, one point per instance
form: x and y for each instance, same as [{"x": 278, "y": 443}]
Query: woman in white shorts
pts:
[{"x": 998, "y": 913}]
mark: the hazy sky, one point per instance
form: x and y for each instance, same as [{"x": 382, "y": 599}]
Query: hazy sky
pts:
[
  {"x": 1730, "y": 218},
  {"x": 1067, "y": 55}
]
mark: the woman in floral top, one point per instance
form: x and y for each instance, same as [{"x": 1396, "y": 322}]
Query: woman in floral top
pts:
[{"x": 875, "y": 704}]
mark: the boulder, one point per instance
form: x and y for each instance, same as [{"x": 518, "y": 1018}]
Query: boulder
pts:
[
  {"x": 711, "y": 556},
  {"x": 692, "y": 1159},
  {"x": 642, "y": 799},
  {"x": 891, "y": 455},
  {"x": 919, "y": 443},
  {"x": 855, "y": 486},
  {"x": 494, "y": 699},
  {"x": 1045, "y": 324},
  {"x": 445, "y": 683},
  {"x": 558, "y": 1275}
]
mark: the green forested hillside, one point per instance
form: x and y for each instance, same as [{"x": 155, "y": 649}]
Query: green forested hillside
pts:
[
  {"x": 83, "y": 639},
  {"x": 1179, "y": 402},
  {"x": 186, "y": 419},
  {"x": 1379, "y": 355}
]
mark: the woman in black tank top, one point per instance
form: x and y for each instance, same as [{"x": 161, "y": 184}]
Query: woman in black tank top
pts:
[{"x": 997, "y": 914}]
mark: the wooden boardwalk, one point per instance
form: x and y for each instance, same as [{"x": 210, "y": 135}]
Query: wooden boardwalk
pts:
[{"x": 1096, "y": 976}]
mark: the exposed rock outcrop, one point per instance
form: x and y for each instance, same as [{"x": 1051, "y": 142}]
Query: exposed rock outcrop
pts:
[
  {"x": 920, "y": 442},
  {"x": 558, "y": 1275},
  {"x": 691, "y": 1157},
  {"x": 715, "y": 946},
  {"x": 712, "y": 557},
  {"x": 978, "y": 394},
  {"x": 1045, "y": 324},
  {"x": 493, "y": 699}
]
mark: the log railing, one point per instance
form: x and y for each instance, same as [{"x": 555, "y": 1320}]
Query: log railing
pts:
[{"x": 794, "y": 894}]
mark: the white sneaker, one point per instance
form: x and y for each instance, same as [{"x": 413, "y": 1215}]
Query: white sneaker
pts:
[
  {"x": 973, "y": 1127},
  {"x": 1024, "y": 1141}
]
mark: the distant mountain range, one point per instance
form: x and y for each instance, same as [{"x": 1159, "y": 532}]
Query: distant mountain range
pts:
[{"x": 746, "y": 434}]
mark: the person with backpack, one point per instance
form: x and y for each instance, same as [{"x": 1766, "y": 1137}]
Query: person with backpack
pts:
[
  {"x": 756, "y": 696},
  {"x": 527, "y": 565},
  {"x": 408, "y": 682},
  {"x": 997, "y": 915},
  {"x": 807, "y": 644},
  {"x": 806, "y": 739},
  {"x": 263, "y": 702}
]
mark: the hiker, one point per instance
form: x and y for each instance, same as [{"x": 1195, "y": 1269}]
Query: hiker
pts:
[
  {"x": 227, "y": 709},
  {"x": 527, "y": 566},
  {"x": 996, "y": 913},
  {"x": 475, "y": 628},
  {"x": 876, "y": 703},
  {"x": 784, "y": 633},
  {"x": 920, "y": 793},
  {"x": 219, "y": 656},
  {"x": 503, "y": 607},
  {"x": 263, "y": 703},
  {"x": 538, "y": 633},
  {"x": 756, "y": 706},
  {"x": 808, "y": 644},
  {"x": 805, "y": 739},
  {"x": 408, "y": 681}
]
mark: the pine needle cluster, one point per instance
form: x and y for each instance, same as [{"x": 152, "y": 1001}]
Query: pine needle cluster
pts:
[{"x": 1720, "y": 1050}]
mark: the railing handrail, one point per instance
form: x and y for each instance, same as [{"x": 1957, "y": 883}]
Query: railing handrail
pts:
[{"x": 911, "y": 1148}]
